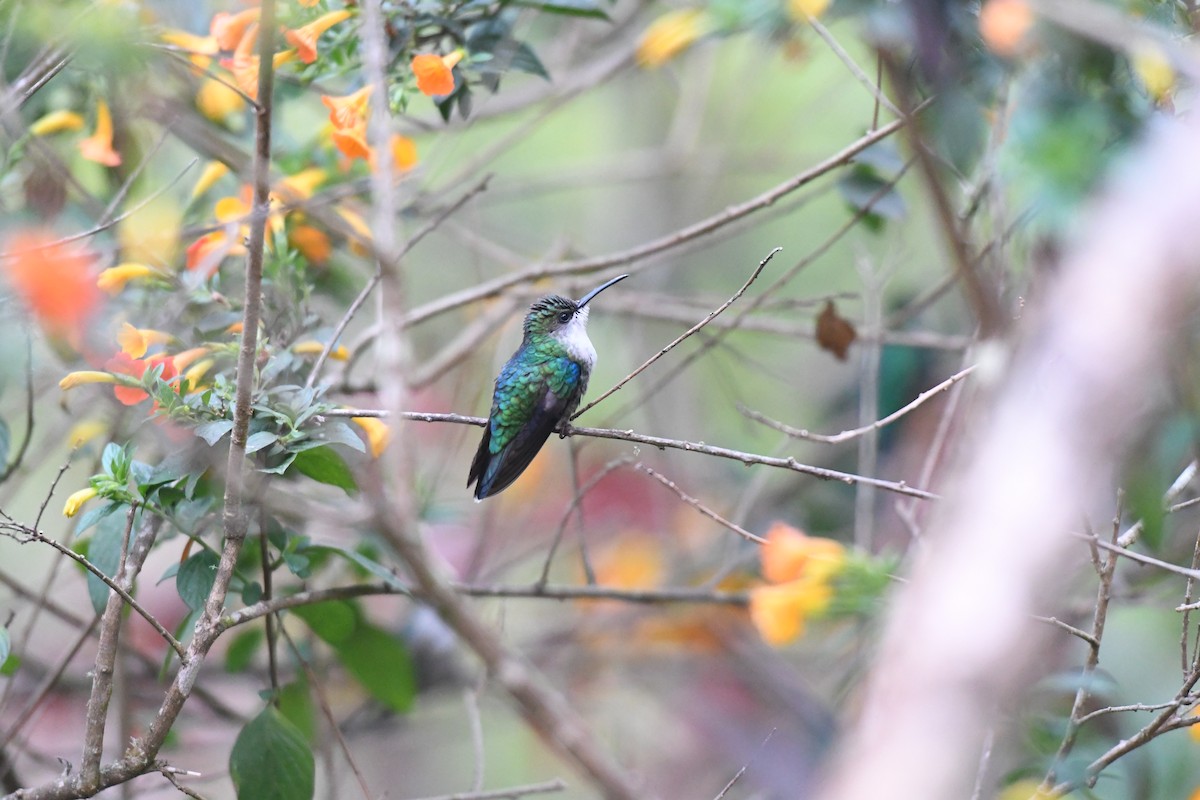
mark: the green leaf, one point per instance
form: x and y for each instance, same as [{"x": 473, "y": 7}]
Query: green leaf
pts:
[
  {"x": 333, "y": 621},
  {"x": 212, "y": 432},
  {"x": 863, "y": 189},
  {"x": 258, "y": 441},
  {"x": 104, "y": 551},
  {"x": 195, "y": 578},
  {"x": 381, "y": 664},
  {"x": 324, "y": 465},
  {"x": 242, "y": 649},
  {"x": 10, "y": 665},
  {"x": 574, "y": 8},
  {"x": 295, "y": 703},
  {"x": 338, "y": 432},
  {"x": 271, "y": 760}
]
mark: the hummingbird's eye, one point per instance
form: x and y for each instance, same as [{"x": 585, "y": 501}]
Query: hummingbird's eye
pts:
[{"x": 564, "y": 317}]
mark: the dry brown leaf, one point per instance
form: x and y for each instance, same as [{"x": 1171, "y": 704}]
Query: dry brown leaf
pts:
[{"x": 834, "y": 333}]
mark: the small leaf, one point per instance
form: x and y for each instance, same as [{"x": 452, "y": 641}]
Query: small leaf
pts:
[
  {"x": 863, "y": 190},
  {"x": 195, "y": 578},
  {"x": 381, "y": 663},
  {"x": 104, "y": 551},
  {"x": 834, "y": 333},
  {"x": 212, "y": 432},
  {"x": 258, "y": 441},
  {"x": 323, "y": 464},
  {"x": 271, "y": 760},
  {"x": 338, "y": 432}
]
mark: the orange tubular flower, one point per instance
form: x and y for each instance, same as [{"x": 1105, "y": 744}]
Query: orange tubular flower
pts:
[
  {"x": 228, "y": 29},
  {"x": 135, "y": 342},
  {"x": 404, "y": 154},
  {"x": 305, "y": 39},
  {"x": 348, "y": 114},
  {"x": 312, "y": 243},
  {"x": 99, "y": 146},
  {"x": 434, "y": 73},
  {"x": 55, "y": 281},
  {"x": 346, "y": 111},
  {"x": 123, "y": 364},
  {"x": 377, "y": 432},
  {"x": 244, "y": 64},
  {"x": 200, "y": 48}
]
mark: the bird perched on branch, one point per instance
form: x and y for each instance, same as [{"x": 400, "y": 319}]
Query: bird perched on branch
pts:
[{"x": 539, "y": 387}]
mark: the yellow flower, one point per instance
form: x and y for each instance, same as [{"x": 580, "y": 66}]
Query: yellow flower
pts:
[
  {"x": 358, "y": 226},
  {"x": 311, "y": 347},
  {"x": 73, "y": 379},
  {"x": 800, "y": 568},
  {"x": 113, "y": 279},
  {"x": 76, "y": 501},
  {"x": 213, "y": 172},
  {"x": 182, "y": 361},
  {"x": 300, "y": 186},
  {"x": 804, "y": 9},
  {"x": 1152, "y": 68},
  {"x": 83, "y": 432},
  {"x": 404, "y": 154},
  {"x": 196, "y": 372},
  {"x": 200, "y": 49},
  {"x": 790, "y": 554},
  {"x": 779, "y": 612},
  {"x": 99, "y": 146},
  {"x": 218, "y": 101},
  {"x": 135, "y": 342},
  {"x": 305, "y": 39},
  {"x": 670, "y": 35},
  {"x": 377, "y": 431},
  {"x": 57, "y": 121},
  {"x": 1027, "y": 789}
]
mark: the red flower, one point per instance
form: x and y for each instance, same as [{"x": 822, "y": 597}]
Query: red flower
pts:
[{"x": 123, "y": 364}]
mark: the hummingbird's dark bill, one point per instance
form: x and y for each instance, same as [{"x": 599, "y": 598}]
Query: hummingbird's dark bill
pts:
[{"x": 538, "y": 389}]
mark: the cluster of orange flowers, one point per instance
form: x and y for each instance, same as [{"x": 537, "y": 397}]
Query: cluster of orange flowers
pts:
[{"x": 799, "y": 570}]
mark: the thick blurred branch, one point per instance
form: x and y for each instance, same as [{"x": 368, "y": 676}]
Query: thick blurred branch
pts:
[{"x": 961, "y": 642}]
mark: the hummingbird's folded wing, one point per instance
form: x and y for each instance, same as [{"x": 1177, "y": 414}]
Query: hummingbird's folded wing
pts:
[{"x": 529, "y": 402}]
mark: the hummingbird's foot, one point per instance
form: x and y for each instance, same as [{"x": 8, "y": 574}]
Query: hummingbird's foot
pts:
[{"x": 565, "y": 429}]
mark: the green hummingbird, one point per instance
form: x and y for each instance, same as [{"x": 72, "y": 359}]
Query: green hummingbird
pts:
[{"x": 539, "y": 387}]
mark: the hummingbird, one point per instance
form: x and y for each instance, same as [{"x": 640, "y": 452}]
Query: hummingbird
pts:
[{"x": 538, "y": 388}]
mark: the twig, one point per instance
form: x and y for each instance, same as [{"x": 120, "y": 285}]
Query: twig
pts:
[
  {"x": 711, "y": 316},
  {"x": 327, "y": 712},
  {"x": 530, "y": 592},
  {"x": 696, "y": 504},
  {"x": 872, "y": 86},
  {"x": 25, "y": 535},
  {"x": 1100, "y": 712},
  {"x": 789, "y": 463},
  {"x": 981, "y": 296},
  {"x": 106, "y": 656},
  {"x": 12, "y": 465},
  {"x": 373, "y": 281},
  {"x": 1071, "y": 629},
  {"x": 674, "y": 239},
  {"x": 556, "y": 785},
  {"x": 837, "y": 438},
  {"x": 576, "y": 499},
  {"x": 1084, "y": 692}
]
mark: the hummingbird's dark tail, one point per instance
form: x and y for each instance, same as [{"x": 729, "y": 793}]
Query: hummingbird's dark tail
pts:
[{"x": 491, "y": 472}]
